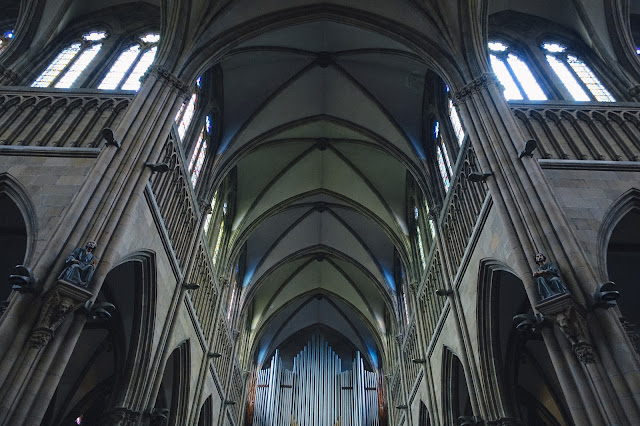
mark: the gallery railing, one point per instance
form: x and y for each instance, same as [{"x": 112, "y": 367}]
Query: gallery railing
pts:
[
  {"x": 58, "y": 118},
  {"x": 412, "y": 354},
  {"x": 585, "y": 131}
]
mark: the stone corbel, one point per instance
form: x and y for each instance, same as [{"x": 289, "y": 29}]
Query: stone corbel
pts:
[
  {"x": 634, "y": 92},
  {"x": 121, "y": 416},
  {"x": 59, "y": 302},
  {"x": 564, "y": 312}
]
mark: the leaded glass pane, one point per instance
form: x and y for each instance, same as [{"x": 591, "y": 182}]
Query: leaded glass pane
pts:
[
  {"x": 567, "y": 79},
  {"x": 78, "y": 66},
  {"x": 120, "y": 68},
  {"x": 421, "y": 248},
  {"x": 553, "y": 47},
  {"x": 94, "y": 36},
  {"x": 415, "y": 213},
  {"x": 216, "y": 249},
  {"x": 511, "y": 91},
  {"x": 526, "y": 79},
  {"x": 432, "y": 228},
  {"x": 197, "y": 148},
  {"x": 150, "y": 38},
  {"x": 57, "y": 66},
  {"x": 446, "y": 159},
  {"x": 497, "y": 46},
  {"x": 187, "y": 116},
  {"x": 199, "y": 162},
  {"x": 207, "y": 123},
  {"x": 589, "y": 79},
  {"x": 455, "y": 122},
  {"x": 133, "y": 82},
  {"x": 443, "y": 170},
  {"x": 436, "y": 130}
]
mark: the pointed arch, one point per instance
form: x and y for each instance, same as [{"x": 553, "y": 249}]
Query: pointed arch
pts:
[
  {"x": 626, "y": 203},
  {"x": 174, "y": 388},
  {"x": 13, "y": 189}
]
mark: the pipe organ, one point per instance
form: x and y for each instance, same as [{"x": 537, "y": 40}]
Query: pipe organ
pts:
[{"x": 316, "y": 392}]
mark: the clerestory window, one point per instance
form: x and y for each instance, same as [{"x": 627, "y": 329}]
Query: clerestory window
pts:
[
  {"x": 200, "y": 152},
  {"x": 65, "y": 68},
  {"x": 419, "y": 237},
  {"x": 513, "y": 73},
  {"x": 185, "y": 114},
  {"x": 444, "y": 165},
  {"x": 575, "y": 74},
  {"x": 132, "y": 64},
  {"x": 5, "y": 38}
]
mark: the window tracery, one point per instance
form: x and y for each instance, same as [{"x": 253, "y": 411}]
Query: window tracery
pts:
[
  {"x": 131, "y": 64},
  {"x": 185, "y": 115},
  {"x": 5, "y": 38},
  {"x": 575, "y": 74},
  {"x": 513, "y": 73},
  {"x": 419, "y": 237},
  {"x": 200, "y": 152},
  {"x": 67, "y": 66}
]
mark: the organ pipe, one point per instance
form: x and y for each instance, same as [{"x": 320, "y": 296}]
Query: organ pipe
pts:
[{"x": 316, "y": 392}]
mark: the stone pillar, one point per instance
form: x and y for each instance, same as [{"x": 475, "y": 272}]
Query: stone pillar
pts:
[
  {"x": 102, "y": 210},
  {"x": 535, "y": 222}
]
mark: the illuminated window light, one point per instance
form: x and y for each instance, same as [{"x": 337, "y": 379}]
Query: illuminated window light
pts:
[
  {"x": 57, "y": 66},
  {"x": 78, "y": 66},
  {"x": 415, "y": 213},
  {"x": 436, "y": 130},
  {"x": 94, "y": 36},
  {"x": 120, "y": 68},
  {"x": 443, "y": 170},
  {"x": 455, "y": 122},
  {"x": 567, "y": 79},
  {"x": 511, "y": 91},
  {"x": 526, "y": 79},
  {"x": 133, "y": 82},
  {"x": 553, "y": 47},
  {"x": 589, "y": 79},
  {"x": 216, "y": 249},
  {"x": 421, "y": 248},
  {"x": 446, "y": 158},
  {"x": 150, "y": 38},
  {"x": 497, "y": 46},
  {"x": 187, "y": 116},
  {"x": 207, "y": 122}
]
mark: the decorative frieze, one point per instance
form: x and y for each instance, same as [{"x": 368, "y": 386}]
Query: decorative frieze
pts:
[{"x": 477, "y": 84}]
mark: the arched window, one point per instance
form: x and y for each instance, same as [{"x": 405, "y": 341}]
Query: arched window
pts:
[
  {"x": 514, "y": 74},
  {"x": 185, "y": 114},
  {"x": 5, "y": 38},
  {"x": 575, "y": 74},
  {"x": 63, "y": 71},
  {"x": 416, "y": 216},
  {"x": 444, "y": 165},
  {"x": 200, "y": 152},
  {"x": 207, "y": 221},
  {"x": 216, "y": 248},
  {"x": 456, "y": 123},
  {"x": 132, "y": 63}
]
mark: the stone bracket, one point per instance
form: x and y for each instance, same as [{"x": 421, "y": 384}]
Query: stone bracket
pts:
[
  {"x": 571, "y": 318},
  {"x": 61, "y": 300}
]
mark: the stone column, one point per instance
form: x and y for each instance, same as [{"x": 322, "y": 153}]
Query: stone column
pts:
[
  {"x": 102, "y": 210},
  {"x": 535, "y": 222}
]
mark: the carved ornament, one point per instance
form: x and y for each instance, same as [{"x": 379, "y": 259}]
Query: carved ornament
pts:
[
  {"x": 483, "y": 81},
  {"x": 634, "y": 91},
  {"x": 165, "y": 77},
  {"x": 564, "y": 312},
  {"x": 59, "y": 302},
  {"x": 10, "y": 75}
]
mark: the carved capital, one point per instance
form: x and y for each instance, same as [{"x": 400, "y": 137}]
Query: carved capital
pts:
[
  {"x": 477, "y": 84},
  {"x": 399, "y": 338},
  {"x": 165, "y": 77},
  {"x": 9, "y": 76},
  {"x": 564, "y": 312},
  {"x": 632, "y": 334},
  {"x": 60, "y": 301},
  {"x": 413, "y": 286}
]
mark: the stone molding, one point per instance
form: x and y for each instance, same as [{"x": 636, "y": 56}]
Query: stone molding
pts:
[
  {"x": 564, "y": 312},
  {"x": 10, "y": 75},
  {"x": 634, "y": 91},
  {"x": 61, "y": 300},
  {"x": 477, "y": 84},
  {"x": 166, "y": 78}
]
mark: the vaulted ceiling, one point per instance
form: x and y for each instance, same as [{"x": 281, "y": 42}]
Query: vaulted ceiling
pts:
[{"x": 323, "y": 127}]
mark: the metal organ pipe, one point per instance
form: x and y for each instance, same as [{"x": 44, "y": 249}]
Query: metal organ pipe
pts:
[{"x": 316, "y": 392}]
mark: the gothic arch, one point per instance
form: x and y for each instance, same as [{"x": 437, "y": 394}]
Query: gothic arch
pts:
[
  {"x": 174, "y": 388},
  {"x": 455, "y": 388},
  {"x": 626, "y": 203},
  {"x": 17, "y": 193},
  {"x": 205, "y": 417}
]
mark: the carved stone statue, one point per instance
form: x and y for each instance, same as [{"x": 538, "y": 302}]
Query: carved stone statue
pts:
[
  {"x": 80, "y": 265},
  {"x": 549, "y": 282}
]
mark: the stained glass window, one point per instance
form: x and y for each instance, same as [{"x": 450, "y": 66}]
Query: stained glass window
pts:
[
  {"x": 514, "y": 74},
  {"x": 185, "y": 115},
  {"x": 432, "y": 227},
  {"x": 443, "y": 170},
  {"x": 133, "y": 82},
  {"x": 65, "y": 69},
  {"x": 197, "y": 159},
  {"x": 455, "y": 122},
  {"x": 132, "y": 64},
  {"x": 232, "y": 301},
  {"x": 575, "y": 74},
  {"x": 207, "y": 221},
  {"x": 120, "y": 68},
  {"x": 405, "y": 300},
  {"x": 420, "y": 247},
  {"x": 216, "y": 249},
  {"x": 446, "y": 158},
  {"x": 436, "y": 130},
  {"x": 637, "y": 50},
  {"x": 5, "y": 37}
]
